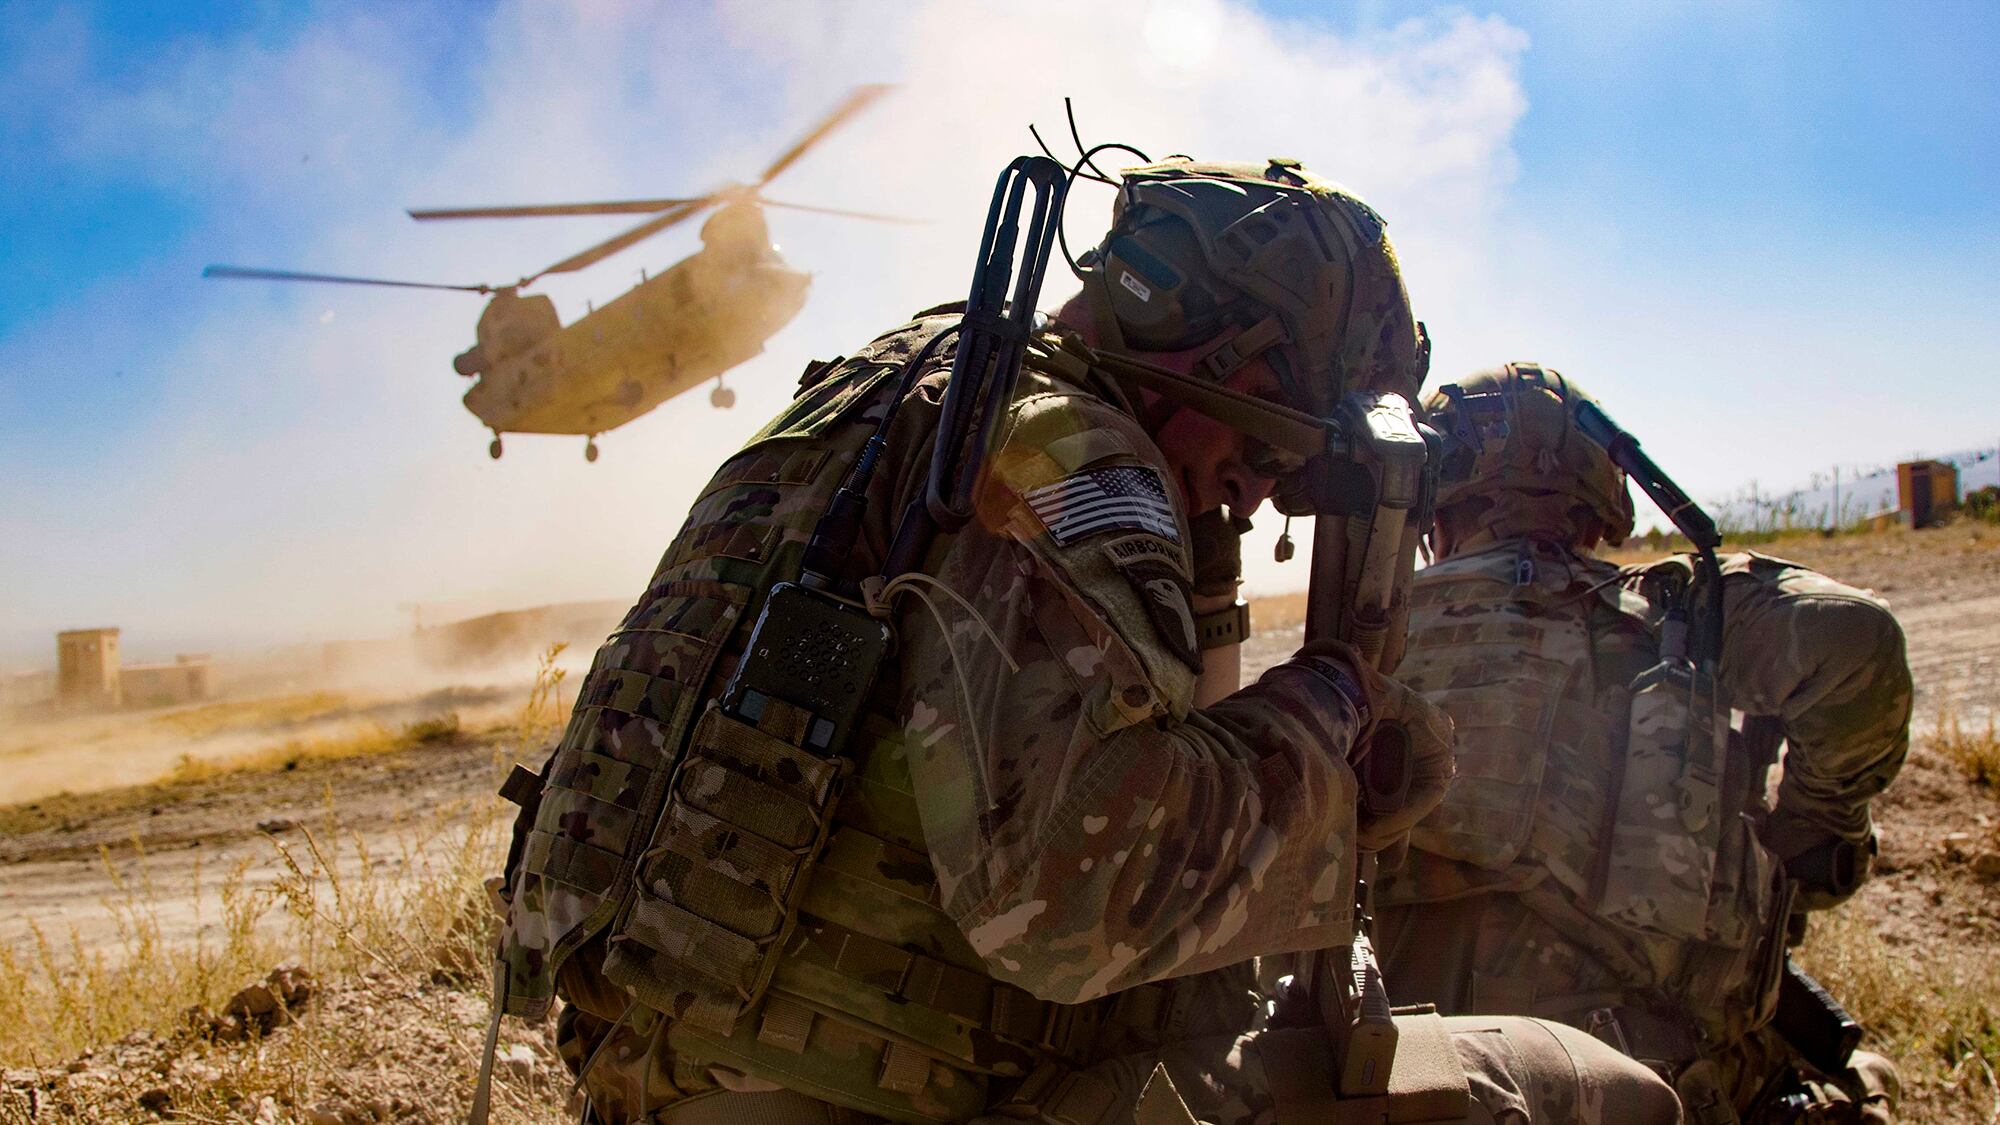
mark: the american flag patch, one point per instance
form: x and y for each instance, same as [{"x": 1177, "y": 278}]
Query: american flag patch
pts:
[{"x": 1115, "y": 499}]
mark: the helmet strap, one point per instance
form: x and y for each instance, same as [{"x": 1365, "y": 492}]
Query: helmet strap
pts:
[
  {"x": 1281, "y": 426},
  {"x": 1229, "y": 356}
]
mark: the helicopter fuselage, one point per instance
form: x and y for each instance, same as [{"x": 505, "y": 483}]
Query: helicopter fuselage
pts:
[{"x": 673, "y": 332}]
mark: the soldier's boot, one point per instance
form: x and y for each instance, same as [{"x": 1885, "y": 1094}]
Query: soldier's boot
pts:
[{"x": 1872, "y": 1081}]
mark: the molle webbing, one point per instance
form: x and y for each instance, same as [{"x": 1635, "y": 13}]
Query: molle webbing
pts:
[
  {"x": 875, "y": 1001},
  {"x": 746, "y": 813},
  {"x": 1500, "y": 667}
]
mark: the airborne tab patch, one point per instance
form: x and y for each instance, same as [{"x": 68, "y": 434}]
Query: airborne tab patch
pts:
[{"x": 1118, "y": 498}]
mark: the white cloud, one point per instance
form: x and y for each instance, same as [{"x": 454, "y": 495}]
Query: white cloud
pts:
[{"x": 303, "y": 477}]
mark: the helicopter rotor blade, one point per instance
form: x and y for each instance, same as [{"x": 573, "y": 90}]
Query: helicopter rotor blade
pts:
[
  {"x": 613, "y": 207},
  {"x": 872, "y": 216},
  {"x": 613, "y": 245},
  {"x": 861, "y": 98},
  {"x": 335, "y": 279}
]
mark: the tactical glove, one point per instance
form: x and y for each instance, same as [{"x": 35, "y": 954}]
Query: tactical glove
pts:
[
  {"x": 1827, "y": 868},
  {"x": 1402, "y": 755}
]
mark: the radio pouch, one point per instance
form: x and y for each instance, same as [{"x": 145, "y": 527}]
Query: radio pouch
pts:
[{"x": 1660, "y": 869}]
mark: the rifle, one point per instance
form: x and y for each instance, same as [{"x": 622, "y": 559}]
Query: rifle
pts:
[
  {"x": 1686, "y": 516},
  {"x": 1371, "y": 492},
  {"x": 1369, "y": 480}
]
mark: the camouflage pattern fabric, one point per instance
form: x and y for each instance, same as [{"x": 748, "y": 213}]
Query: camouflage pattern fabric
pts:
[
  {"x": 1089, "y": 829},
  {"x": 1500, "y": 906},
  {"x": 1065, "y": 833},
  {"x": 1518, "y": 1071},
  {"x": 1326, "y": 270},
  {"x": 1527, "y": 469},
  {"x": 1079, "y": 829}
]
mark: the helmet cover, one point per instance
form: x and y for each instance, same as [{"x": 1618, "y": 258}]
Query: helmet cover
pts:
[
  {"x": 1517, "y": 464},
  {"x": 1299, "y": 265}
]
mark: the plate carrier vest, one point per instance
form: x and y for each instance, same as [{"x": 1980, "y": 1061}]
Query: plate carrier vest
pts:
[{"x": 780, "y": 909}]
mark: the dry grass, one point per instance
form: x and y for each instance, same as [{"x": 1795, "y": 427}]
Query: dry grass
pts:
[
  {"x": 290, "y": 754},
  {"x": 397, "y": 939},
  {"x": 399, "y": 943},
  {"x": 210, "y": 719},
  {"x": 1935, "y": 1011},
  {"x": 64, "y": 997},
  {"x": 544, "y": 713},
  {"x": 1974, "y": 751}
]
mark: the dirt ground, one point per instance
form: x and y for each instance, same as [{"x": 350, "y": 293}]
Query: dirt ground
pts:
[
  {"x": 63, "y": 858},
  {"x": 1936, "y": 891}
]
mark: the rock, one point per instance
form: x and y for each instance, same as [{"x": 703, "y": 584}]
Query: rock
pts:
[
  {"x": 277, "y": 824},
  {"x": 517, "y": 1059},
  {"x": 1986, "y": 866},
  {"x": 268, "y": 1005},
  {"x": 325, "y": 1113},
  {"x": 267, "y": 1112},
  {"x": 293, "y": 984},
  {"x": 156, "y": 1099},
  {"x": 253, "y": 1003}
]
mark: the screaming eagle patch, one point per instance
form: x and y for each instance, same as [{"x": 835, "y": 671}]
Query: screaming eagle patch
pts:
[
  {"x": 1117, "y": 498},
  {"x": 1169, "y": 601}
]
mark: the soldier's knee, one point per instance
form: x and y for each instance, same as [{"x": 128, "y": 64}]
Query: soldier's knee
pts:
[
  {"x": 1551, "y": 1072},
  {"x": 1627, "y": 1089}
]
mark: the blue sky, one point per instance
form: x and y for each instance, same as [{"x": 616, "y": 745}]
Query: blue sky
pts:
[{"x": 1765, "y": 233}]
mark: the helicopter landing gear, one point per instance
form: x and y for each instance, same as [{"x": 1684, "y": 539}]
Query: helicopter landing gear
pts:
[
  {"x": 590, "y": 449},
  {"x": 722, "y": 398},
  {"x": 493, "y": 449}
]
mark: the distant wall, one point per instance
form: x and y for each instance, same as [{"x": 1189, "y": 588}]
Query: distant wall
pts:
[
  {"x": 187, "y": 680},
  {"x": 26, "y": 689}
]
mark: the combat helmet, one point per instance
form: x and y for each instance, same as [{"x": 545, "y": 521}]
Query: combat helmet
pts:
[
  {"x": 1303, "y": 268},
  {"x": 1516, "y": 463}
]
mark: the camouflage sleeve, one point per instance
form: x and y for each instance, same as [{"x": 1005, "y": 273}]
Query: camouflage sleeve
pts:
[
  {"x": 1089, "y": 829},
  {"x": 1827, "y": 660}
]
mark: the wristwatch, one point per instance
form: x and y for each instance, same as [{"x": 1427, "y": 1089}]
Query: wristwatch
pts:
[{"x": 1221, "y": 628}]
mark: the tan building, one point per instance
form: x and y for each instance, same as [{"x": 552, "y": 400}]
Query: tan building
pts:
[
  {"x": 189, "y": 678},
  {"x": 1926, "y": 492},
  {"x": 87, "y": 670}
]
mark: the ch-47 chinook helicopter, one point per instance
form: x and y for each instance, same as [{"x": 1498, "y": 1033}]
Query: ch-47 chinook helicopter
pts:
[{"x": 674, "y": 331}]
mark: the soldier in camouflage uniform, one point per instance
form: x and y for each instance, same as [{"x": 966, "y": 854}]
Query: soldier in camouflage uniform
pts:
[
  {"x": 1030, "y": 885},
  {"x": 1585, "y": 864}
]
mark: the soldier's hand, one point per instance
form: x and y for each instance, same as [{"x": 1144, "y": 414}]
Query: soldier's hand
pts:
[
  {"x": 1826, "y": 867},
  {"x": 1402, "y": 756}
]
